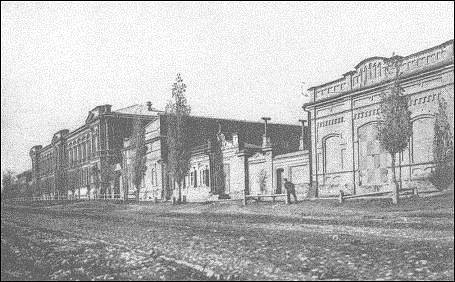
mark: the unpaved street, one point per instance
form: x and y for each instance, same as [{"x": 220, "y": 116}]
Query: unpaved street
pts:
[{"x": 122, "y": 244}]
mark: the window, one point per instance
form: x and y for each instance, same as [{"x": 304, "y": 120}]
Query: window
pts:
[
  {"x": 93, "y": 146},
  {"x": 422, "y": 140},
  {"x": 153, "y": 177},
  {"x": 83, "y": 151},
  {"x": 156, "y": 177},
  {"x": 207, "y": 177},
  {"x": 332, "y": 153},
  {"x": 227, "y": 176},
  {"x": 343, "y": 152},
  {"x": 373, "y": 158},
  {"x": 195, "y": 178}
]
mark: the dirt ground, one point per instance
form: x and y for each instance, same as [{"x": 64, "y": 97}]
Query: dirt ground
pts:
[{"x": 311, "y": 240}]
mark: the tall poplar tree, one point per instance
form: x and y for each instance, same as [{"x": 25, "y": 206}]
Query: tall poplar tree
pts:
[
  {"x": 177, "y": 112},
  {"x": 395, "y": 128},
  {"x": 140, "y": 152},
  {"x": 443, "y": 150}
]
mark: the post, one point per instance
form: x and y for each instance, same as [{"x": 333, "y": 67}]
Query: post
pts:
[
  {"x": 244, "y": 198},
  {"x": 302, "y": 138},
  {"x": 340, "y": 198}
]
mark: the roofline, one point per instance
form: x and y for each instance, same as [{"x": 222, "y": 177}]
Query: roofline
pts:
[
  {"x": 448, "y": 42},
  {"x": 238, "y": 120},
  {"x": 378, "y": 85}
]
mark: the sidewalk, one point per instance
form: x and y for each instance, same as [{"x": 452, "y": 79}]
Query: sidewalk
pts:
[
  {"x": 429, "y": 213},
  {"x": 436, "y": 206}
]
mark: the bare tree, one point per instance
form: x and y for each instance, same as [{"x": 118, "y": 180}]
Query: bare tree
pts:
[
  {"x": 395, "y": 128},
  {"x": 140, "y": 152},
  {"x": 177, "y": 137},
  {"x": 442, "y": 175}
]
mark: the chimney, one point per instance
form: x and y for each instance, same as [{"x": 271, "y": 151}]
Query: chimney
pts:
[{"x": 149, "y": 106}]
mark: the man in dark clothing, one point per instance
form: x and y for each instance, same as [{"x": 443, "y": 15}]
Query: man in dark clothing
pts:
[{"x": 290, "y": 189}]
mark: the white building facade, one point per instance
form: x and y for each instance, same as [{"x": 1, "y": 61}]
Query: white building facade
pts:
[{"x": 343, "y": 115}]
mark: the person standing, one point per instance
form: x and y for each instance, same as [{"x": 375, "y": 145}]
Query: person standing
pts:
[{"x": 290, "y": 190}]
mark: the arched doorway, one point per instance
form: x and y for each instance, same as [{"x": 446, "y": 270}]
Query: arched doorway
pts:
[{"x": 373, "y": 159}]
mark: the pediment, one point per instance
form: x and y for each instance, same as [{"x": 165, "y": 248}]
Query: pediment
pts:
[{"x": 370, "y": 62}]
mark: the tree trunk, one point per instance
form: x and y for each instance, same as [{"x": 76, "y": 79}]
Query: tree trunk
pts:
[
  {"x": 395, "y": 193},
  {"x": 180, "y": 192}
]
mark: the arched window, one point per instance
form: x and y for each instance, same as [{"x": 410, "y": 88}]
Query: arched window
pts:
[
  {"x": 153, "y": 177},
  {"x": 373, "y": 159},
  {"x": 89, "y": 149},
  {"x": 333, "y": 154},
  {"x": 422, "y": 140}
]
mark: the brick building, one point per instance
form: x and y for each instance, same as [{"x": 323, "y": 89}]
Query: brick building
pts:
[
  {"x": 82, "y": 161},
  {"x": 343, "y": 116}
]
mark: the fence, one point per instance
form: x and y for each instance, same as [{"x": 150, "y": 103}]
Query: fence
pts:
[
  {"x": 103, "y": 197},
  {"x": 375, "y": 195}
]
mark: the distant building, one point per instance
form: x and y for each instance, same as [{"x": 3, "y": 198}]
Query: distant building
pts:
[
  {"x": 346, "y": 154},
  {"x": 83, "y": 161},
  {"x": 222, "y": 150}
]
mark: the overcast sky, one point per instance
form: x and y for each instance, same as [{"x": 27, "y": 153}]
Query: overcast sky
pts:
[{"x": 239, "y": 60}]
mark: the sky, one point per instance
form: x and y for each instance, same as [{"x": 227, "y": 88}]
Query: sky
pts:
[{"x": 240, "y": 60}]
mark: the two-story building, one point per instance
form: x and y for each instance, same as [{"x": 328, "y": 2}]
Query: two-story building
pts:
[{"x": 83, "y": 161}]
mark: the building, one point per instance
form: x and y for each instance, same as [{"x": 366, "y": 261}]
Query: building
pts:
[
  {"x": 346, "y": 154},
  {"x": 83, "y": 161},
  {"x": 222, "y": 152}
]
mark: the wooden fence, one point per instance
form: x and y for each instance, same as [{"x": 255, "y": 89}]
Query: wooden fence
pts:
[
  {"x": 104, "y": 197},
  {"x": 375, "y": 195}
]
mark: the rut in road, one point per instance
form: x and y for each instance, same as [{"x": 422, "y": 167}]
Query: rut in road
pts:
[{"x": 253, "y": 253}]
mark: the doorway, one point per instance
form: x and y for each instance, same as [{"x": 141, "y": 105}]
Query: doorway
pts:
[{"x": 279, "y": 180}]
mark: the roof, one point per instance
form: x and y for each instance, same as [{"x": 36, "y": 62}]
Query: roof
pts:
[
  {"x": 251, "y": 146},
  {"x": 138, "y": 109}
]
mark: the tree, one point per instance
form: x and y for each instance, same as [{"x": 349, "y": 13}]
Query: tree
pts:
[
  {"x": 7, "y": 184},
  {"x": 442, "y": 175},
  {"x": 395, "y": 128},
  {"x": 140, "y": 152},
  {"x": 95, "y": 172},
  {"x": 177, "y": 112}
]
